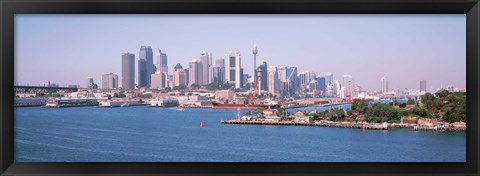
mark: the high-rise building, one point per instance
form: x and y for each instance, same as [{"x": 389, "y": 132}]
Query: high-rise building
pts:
[
  {"x": 159, "y": 80},
  {"x": 348, "y": 86},
  {"x": 321, "y": 85},
  {"x": 178, "y": 67},
  {"x": 234, "y": 72},
  {"x": 306, "y": 77},
  {"x": 450, "y": 88},
  {"x": 384, "y": 84},
  {"x": 195, "y": 72},
  {"x": 146, "y": 53},
  {"x": 329, "y": 78},
  {"x": 128, "y": 71},
  {"x": 273, "y": 81},
  {"x": 142, "y": 80},
  {"x": 162, "y": 64},
  {"x": 282, "y": 73},
  {"x": 179, "y": 76},
  {"x": 90, "y": 84},
  {"x": 109, "y": 81},
  {"x": 292, "y": 80},
  {"x": 206, "y": 59},
  {"x": 262, "y": 82},
  {"x": 423, "y": 86},
  {"x": 219, "y": 72}
]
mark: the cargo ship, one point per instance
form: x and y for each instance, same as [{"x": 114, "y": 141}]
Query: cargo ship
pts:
[{"x": 163, "y": 103}]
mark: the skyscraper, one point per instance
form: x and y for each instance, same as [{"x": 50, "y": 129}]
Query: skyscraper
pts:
[
  {"x": 219, "y": 72},
  {"x": 292, "y": 80},
  {"x": 234, "y": 72},
  {"x": 329, "y": 78},
  {"x": 146, "y": 53},
  {"x": 180, "y": 77},
  {"x": 273, "y": 81},
  {"x": 262, "y": 82},
  {"x": 90, "y": 84},
  {"x": 162, "y": 65},
  {"x": 305, "y": 77},
  {"x": 109, "y": 81},
  {"x": 195, "y": 72},
  {"x": 321, "y": 86},
  {"x": 384, "y": 84},
  {"x": 206, "y": 59},
  {"x": 423, "y": 85},
  {"x": 128, "y": 71},
  {"x": 159, "y": 80},
  {"x": 348, "y": 86},
  {"x": 142, "y": 80}
]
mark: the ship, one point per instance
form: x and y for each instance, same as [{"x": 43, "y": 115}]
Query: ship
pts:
[
  {"x": 119, "y": 103},
  {"x": 163, "y": 103}
]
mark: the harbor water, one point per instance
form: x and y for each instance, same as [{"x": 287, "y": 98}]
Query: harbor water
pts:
[{"x": 131, "y": 134}]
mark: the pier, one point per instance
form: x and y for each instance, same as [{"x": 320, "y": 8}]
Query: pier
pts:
[{"x": 338, "y": 125}]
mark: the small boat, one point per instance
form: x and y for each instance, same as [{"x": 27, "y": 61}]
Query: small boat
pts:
[{"x": 201, "y": 124}]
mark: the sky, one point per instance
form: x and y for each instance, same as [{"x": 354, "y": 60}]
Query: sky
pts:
[{"x": 66, "y": 49}]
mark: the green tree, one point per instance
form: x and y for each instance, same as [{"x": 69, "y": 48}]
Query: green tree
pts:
[
  {"x": 195, "y": 86},
  {"x": 402, "y": 105}
]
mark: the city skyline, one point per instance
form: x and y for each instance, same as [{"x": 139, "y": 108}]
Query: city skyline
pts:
[{"x": 438, "y": 42}]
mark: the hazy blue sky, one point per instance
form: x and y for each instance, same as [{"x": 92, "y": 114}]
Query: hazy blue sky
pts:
[{"x": 66, "y": 49}]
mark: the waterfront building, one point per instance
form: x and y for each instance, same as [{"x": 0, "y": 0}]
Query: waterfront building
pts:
[
  {"x": 224, "y": 95},
  {"x": 384, "y": 81},
  {"x": 206, "y": 59},
  {"x": 262, "y": 82},
  {"x": 423, "y": 86},
  {"x": 128, "y": 71},
  {"x": 159, "y": 80},
  {"x": 219, "y": 72},
  {"x": 162, "y": 62},
  {"x": 180, "y": 77},
  {"x": 73, "y": 86},
  {"x": 146, "y": 53},
  {"x": 273, "y": 81},
  {"x": 109, "y": 81},
  {"x": 195, "y": 72},
  {"x": 234, "y": 70},
  {"x": 142, "y": 80}
]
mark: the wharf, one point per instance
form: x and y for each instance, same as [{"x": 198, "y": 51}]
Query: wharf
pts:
[{"x": 338, "y": 125}]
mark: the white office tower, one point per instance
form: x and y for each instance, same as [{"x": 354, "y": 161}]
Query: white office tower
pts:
[
  {"x": 109, "y": 81},
  {"x": 273, "y": 81},
  {"x": 206, "y": 59},
  {"x": 162, "y": 65},
  {"x": 234, "y": 65},
  {"x": 384, "y": 84},
  {"x": 306, "y": 77}
]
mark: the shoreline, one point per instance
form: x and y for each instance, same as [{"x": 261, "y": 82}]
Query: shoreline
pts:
[{"x": 364, "y": 126}]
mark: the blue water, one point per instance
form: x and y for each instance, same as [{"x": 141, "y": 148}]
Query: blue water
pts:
[{"x": 89, "y": 134}]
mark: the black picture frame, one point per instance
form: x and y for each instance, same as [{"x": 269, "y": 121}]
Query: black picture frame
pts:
[{"x": 8, "y": 8}]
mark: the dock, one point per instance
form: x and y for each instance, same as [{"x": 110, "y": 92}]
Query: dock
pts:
[{"x": 288, "y": 123}]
